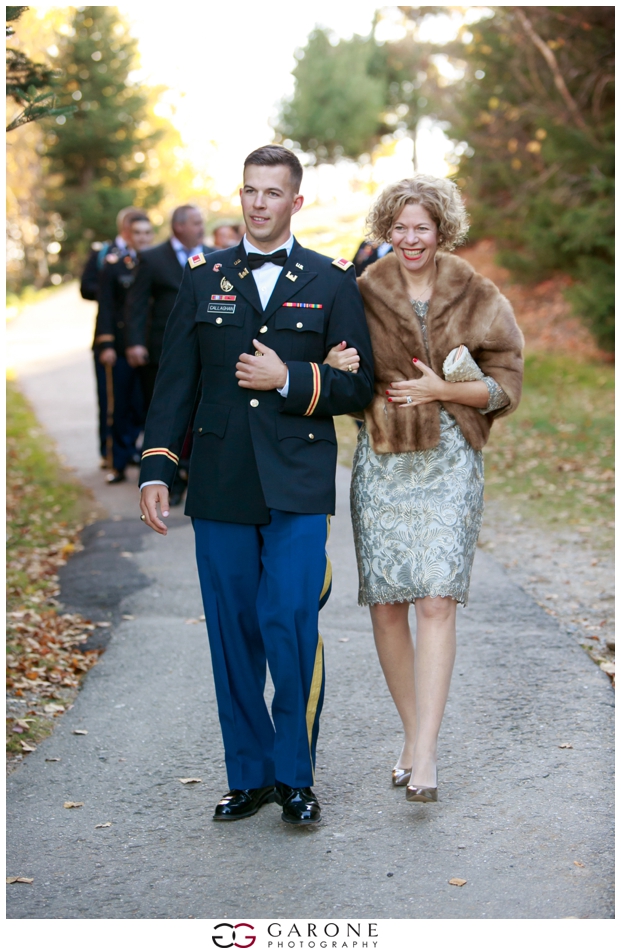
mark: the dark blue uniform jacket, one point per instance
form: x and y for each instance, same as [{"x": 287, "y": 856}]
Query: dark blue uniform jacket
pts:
[{"x": 255, "y": 450}]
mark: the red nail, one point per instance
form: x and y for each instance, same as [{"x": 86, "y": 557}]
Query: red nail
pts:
[
  {"x": 389, "y": 399},
  {"x": 387, "y": 393},
  {"x": 415, "y": 360}
]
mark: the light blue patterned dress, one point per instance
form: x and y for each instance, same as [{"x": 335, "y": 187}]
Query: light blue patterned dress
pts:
[{"x": 417, "y": 515}]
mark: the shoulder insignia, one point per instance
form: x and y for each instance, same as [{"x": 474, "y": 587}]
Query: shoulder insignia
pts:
[
  {"x": 196, "y": 260},
  {"x": 112, "y": 259},
  {"x": 342, "y": 263}
]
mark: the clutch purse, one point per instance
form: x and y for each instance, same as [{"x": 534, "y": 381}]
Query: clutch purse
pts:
[{"x": 459, "y": 366}]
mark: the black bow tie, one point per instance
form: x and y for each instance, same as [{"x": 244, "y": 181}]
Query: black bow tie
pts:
[{"x": 258, "y": 260}]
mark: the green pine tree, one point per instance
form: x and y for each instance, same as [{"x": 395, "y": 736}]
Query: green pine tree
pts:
[
  {"x": 336, "y": 109},
  {"x": 536, "y": 109},
  {"x": 96, "y": 164},
  {"x": 31, "y": 85}
]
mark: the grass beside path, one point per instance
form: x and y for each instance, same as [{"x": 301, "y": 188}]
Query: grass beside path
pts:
[
  {"x": 46, "y": 509},
  {"x": 552, "y": 460}
]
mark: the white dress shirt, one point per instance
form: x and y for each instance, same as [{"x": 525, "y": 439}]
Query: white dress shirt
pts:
[{"x": 265, "y": 278}]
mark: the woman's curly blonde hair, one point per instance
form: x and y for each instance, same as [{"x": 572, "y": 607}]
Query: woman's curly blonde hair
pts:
[{"x": 439, "y": 196}]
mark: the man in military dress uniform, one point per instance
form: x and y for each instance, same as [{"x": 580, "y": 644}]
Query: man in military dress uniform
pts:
[
  {"x": 148, "y": 306},
  {"x": 253, "y": 324},
  {"x": 89, "y": 290},
  {"x": 115, "y": 280}
]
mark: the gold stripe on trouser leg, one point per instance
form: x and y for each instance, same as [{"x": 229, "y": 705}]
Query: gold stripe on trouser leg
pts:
[
  {"x": 316, "y": 682},
  {"x": 313, "y": 698},
  {"x": 328, "y": 575}
]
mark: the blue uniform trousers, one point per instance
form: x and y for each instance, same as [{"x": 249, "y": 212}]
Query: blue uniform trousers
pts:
[
  {"x": 262, "y": 588},
  {"x": 128, "y": 411}
]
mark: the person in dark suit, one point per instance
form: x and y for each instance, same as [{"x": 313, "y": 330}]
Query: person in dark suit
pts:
[
  {"x": 89, "y": 290},
  {"x": 368, "y": 253},
  {"x": 124, "y": 397},
  {"x": 148, "y": 306},
  {"x": 154, "y": 291},
  {"x": 253, "y": 325}
]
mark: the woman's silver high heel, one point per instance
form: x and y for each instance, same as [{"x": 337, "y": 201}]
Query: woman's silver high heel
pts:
[
  {"x": 422, "y": 793},
  {"x": 401, "y": 776}
]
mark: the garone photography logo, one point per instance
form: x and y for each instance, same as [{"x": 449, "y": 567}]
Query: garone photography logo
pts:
[
  {"x": 323, "y": 936},
  {"x": 233, "y": 935}
]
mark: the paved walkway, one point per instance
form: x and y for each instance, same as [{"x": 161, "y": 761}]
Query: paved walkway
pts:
[{"x": 527, "y": 823}]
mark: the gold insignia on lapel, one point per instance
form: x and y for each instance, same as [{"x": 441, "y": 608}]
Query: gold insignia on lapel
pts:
[
  {"x": 301, "y": 266},
  {"x": 238, "y": 261},
  {"x": 342, "y": 263},
  {"x": 244, "y": 273},
  {"x": 196, "y": 260},
  {"x": 291, "y": 276},
  {"x": 226, "y": 285}
]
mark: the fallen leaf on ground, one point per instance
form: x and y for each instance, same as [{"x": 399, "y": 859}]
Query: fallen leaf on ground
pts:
[
  {"x": 457, "y": 881},
  {"x": 343, "y": 639},
  {"x": 105, "y": 824},
  {"x": 19, "y": 880},
  {"x": 103, "y": 623},
  {"x": 126, "y": 554},
  {"x": 188, "y": 781},
  {"x": 53, "y": 708},
  {"x": 191, "y": 620},
  {"x": 80, "y": 732},
  {"x": 202, "y": 617},
  {"x": 127, "y": 616},
  {"x": 566, "y": 745},
  {"x": 579, "y": 864},
  {"x": 53, "y": 760},
  {"x": 26, "y": 747},
  {"x": 73, "y": 804}
]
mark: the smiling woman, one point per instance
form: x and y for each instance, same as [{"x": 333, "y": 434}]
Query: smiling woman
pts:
[{"x": 417, "y": 480}]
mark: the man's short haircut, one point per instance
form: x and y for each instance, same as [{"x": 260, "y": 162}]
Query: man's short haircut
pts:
[
  {"x": 180, "y": 214},
  {"x": 134, "y": 216},
  {"x": 120, "y": 218},
  {"x": 277, "y": 155}
]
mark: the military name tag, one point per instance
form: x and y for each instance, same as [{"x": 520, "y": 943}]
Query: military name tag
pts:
[{"x": 221, "y": 308}]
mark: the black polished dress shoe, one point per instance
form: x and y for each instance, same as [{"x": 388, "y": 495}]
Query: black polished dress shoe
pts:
[
  {"x": 299, "y": 805},
  {"x": 242, "y": 803},
  {"x": 115, "y": 477}
]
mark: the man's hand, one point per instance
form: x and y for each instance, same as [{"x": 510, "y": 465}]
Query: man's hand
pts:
[
  {"x": 342, "y": 357},
  {"x": 137, "y": 355},
  {"x": 107, "y": 357},
  {"x": 150, "y": 496},
  {"x": 266, "y": 371}
]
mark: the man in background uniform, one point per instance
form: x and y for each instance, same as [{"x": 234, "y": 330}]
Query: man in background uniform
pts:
[
  {"x": 368, "y": 253},
  {"x": 149, "y": 302},
  {"x": 122, "y": 384},
  {"x": 89, "y": 290},
  {"x": 252, "y": 325}
]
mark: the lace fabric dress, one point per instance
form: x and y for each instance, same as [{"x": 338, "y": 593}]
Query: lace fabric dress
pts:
[{"x": 417, "y": 515}]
